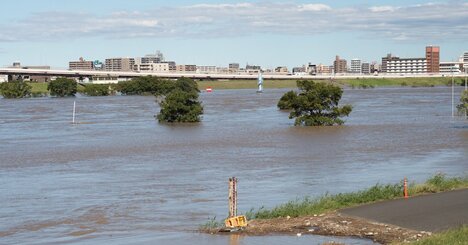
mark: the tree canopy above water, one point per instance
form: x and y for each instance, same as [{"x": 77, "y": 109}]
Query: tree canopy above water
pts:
[{"x": 316, "y": 104}]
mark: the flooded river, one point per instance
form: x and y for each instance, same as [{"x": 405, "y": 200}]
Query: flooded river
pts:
[{"x": 120, "y": 177}]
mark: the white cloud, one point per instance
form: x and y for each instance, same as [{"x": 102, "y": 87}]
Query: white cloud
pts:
[
  {"x": 378, "y": 9},
  {"x": 314, "y": 7},
  {"x": 434, "y": 20}
]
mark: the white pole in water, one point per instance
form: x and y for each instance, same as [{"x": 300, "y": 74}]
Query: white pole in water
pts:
[
  {"x": 74, "y": 109},
  {"x": 453, "y": 91}
]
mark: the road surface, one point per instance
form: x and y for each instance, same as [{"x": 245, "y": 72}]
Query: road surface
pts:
[{"x": 434, "y": 212}]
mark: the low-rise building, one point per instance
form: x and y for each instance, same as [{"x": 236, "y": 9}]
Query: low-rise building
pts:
[
  {"x": 281, "y": 69},
  {"x": 324, "y": 69},
  {"x": 451, "y": 67},
  {"x": 299, "y": 70},
  {"x": 152, "y": 67},
  {"x": 206, "y": 69},
  {"x": 186, "y": 68},
  {"x": 3, "y": 78},
  {"x": 407, "y": 66}
]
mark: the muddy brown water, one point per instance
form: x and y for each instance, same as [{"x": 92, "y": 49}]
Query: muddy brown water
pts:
[{"x": 120, "y": 177}]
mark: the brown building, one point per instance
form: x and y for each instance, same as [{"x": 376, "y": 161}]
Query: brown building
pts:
[
  {"x": 385, "y": 61},
  {"x": 186, "y": 68},
  {"x": 81, "y": 65},
  {"x": 340, "y": 65},
  {"x": 433, "y": 59}
]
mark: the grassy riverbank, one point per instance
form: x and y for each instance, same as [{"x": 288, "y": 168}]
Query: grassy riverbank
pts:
[
  {"x": 311, "y": 206},
  {"x": 453, "y": 236},
  {"x": 269, "y": 84}
]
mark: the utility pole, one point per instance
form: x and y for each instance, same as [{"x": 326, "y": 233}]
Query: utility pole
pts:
[{"x": 453, "y": 91}]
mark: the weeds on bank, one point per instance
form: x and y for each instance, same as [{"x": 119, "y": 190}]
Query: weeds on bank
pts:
[
  {"x": 453, "y": 236},
  {"x": 211, "y": 224},
  {"x": 327, "y": 202}
]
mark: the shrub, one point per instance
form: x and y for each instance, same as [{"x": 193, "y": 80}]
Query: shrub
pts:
[{"x": 62, "y": 87}]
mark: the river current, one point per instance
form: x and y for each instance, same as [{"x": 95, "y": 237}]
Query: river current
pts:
[{"x": 120, "y": 177}]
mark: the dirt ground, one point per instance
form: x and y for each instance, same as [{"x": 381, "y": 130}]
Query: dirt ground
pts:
[{"x": 334, "y": 224}]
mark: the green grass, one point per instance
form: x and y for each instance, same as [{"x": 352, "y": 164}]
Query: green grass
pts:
[
  {"x": 452, "y": 237},
  {"x": 309, "y": 206},
  {"x": 211, "y": 224},
  {"x": 353, "y": 83},
  {"x": 39, "y": 87}
]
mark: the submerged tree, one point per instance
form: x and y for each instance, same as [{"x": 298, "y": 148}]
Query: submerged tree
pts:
[
  {"x": 180, "y": 106},
  {"x": 463, "y": 106},
  {"x": 316, "y": 104},
  {"x": 62, "y": 87},
  {"x": 15, "y": 89},
  {"x": 179, "y": 101}
]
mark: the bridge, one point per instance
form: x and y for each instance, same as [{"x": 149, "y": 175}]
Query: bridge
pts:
[{"x": 201, "y": 76}]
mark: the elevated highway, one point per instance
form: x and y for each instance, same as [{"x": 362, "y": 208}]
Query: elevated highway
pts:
[{"x": 170, "y": 75}]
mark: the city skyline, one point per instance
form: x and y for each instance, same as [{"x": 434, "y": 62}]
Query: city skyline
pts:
[{"x": 284, "y": 33}]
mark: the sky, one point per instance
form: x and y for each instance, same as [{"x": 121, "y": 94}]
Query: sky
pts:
[{"x": 215, "y": 32}]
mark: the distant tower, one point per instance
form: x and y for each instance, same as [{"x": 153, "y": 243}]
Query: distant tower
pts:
[
  {"x": 433, "y": 59},
  {"x": 260, "y": 82}
]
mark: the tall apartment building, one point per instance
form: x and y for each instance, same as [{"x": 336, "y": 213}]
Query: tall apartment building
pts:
[
  {"x": 340, "y": 65},
  {"x": 433, "y": 59},
  {"x": 365, "y": 68},
  {"x": 119, "y": 64},
  {"x": 407, "y": 65},
  {"x": 355, "y": 66},
  {"x": 81, "y": 65},
  {"x": 386, "y": 59}
]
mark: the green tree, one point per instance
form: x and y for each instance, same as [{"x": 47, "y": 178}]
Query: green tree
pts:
[
  {"x": 463, "y": 106},
  {"x": 97, "y": 89},
  {"x": 285, "y": 103},
  {"x": 15, "y": 89},
  {"x": 180, "y": 106},
  {"x": 62, "y": 87},
  {"x": 316, "y": 104}
]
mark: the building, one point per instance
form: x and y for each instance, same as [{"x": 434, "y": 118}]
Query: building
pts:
[
  {"x": 451, "y": 67},
  {"x": 152, "y": 67},
  {"x": 119, "y": 64},
  {"x": 3, "y": 78},
  {"x": 324, "y": 69},
  {"x": 340, "y": 65},
  {"x": 433, "y": 59},
  {"x": 365, "y": 68},
  {"x": 375, "y": 67},
  {"x": 158, "y": 57},
  {"x": 386, "y": 59},
  {"x": 186, "y": 68},
  {"x": 311, "y": 69},
  {"x": 356, "y": 66},
  {"x": 407, "y": 65},
  {"x": 234, "y": 67},
  {"x": 206, "y": 69},
  {"x": 81, "y": 65},
  {"x": 281, "y": 69},
  {"x": 465, "y": 61},
  {"x": 299, "y": 70}
]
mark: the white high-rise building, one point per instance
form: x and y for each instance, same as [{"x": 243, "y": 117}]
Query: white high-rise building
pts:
[
  {"x": 407, "y": 65},
  {"x": 355, "y": 66},
  {"x": 465, "y": 61}
]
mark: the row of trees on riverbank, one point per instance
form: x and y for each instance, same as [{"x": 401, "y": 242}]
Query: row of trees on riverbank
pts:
[{"x": 314, "y": 104}]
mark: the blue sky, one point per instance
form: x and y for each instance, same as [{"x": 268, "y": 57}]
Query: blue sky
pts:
[{"x": 209, "y": 32}]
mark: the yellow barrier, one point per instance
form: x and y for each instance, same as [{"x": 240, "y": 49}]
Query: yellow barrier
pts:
[{"x": 234, "y": 222}]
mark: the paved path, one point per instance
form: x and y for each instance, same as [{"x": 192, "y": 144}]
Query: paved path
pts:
[{"x": 434, "y": 212}]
